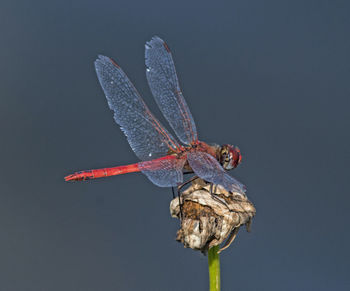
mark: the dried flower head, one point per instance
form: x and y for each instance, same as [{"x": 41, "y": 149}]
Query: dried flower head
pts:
[{"x": 210, "y": 215}]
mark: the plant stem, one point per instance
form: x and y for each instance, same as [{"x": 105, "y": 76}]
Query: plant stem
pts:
[{"x": 214, "y": 268}]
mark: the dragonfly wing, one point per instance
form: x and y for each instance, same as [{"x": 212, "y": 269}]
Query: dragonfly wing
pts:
[
  {"x": 209, "y": 169},
  {"x": 164, "y": 84},
  {"x": 164, "y": 172},
  {"x": 146, "y": 136}
]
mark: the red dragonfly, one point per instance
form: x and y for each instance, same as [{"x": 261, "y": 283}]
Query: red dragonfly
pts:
[{"x": 163, "y": 158}]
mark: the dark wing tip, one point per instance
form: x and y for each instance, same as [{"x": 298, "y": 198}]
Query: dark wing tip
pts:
[
  {"x": 104, "y": 60},
  {"x": 156, "y": 41},
  {"x": 100, "y": 61},
  {"x": 101, "y": 58}
]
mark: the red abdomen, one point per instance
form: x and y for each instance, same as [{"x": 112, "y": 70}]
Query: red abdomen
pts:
[{"x": 99, "y": 173}]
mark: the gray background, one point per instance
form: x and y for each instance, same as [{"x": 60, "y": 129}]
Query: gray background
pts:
[{"x": 269, "y": 76}]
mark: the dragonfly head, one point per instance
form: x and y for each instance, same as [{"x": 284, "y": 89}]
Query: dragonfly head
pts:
[{"x": 230, "y": 156}]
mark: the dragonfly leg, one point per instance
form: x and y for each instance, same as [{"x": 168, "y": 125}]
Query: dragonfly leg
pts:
[
  {"x": 185, "y": 173},
  {"x": 189, "y": 172},
  {"x": 180, "y": 205},
  {"x": 172, "y": 189},
  {"x": 213, "y": 195},
  {"x": 179, "y": 187}
]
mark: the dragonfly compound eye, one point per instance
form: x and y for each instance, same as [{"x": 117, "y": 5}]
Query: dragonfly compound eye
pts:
[{"x": 230, "y": 157}]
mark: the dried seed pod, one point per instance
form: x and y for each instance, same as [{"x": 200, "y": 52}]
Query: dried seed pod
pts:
[{"x": 209, "y": 219}]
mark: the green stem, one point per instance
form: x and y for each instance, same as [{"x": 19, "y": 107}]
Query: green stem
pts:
[{"x": 214, "y": 268}]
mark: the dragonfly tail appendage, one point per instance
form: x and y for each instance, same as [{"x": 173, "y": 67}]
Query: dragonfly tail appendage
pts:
[{"x": 99, "y": 173}]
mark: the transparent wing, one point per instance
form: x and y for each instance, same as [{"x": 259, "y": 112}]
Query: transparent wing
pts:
[
  {"x": 162, "y": 79},
  {"x": 164, "y": 172},
  {"x": 146, "y": 136},
  {"x": 209, "y": 169}
]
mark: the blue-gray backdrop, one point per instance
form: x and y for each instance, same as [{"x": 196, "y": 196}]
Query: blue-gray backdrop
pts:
[{"x": 270, "y": 76}]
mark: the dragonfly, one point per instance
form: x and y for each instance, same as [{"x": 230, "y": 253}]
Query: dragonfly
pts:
[{"x": 163, "y": 158}]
